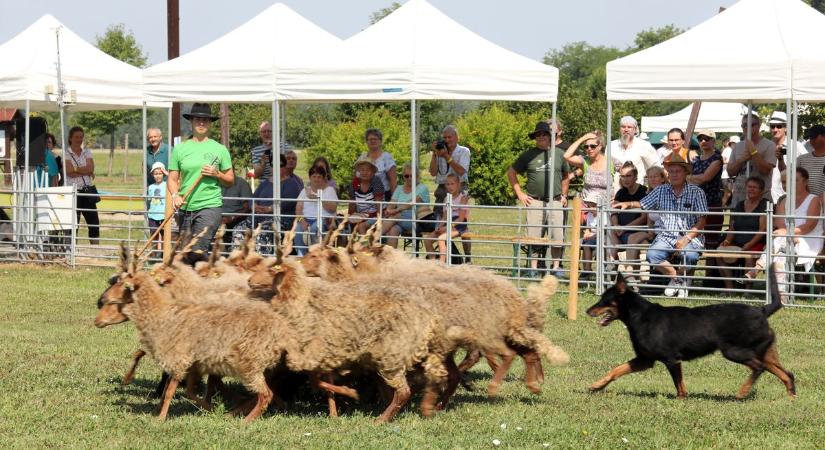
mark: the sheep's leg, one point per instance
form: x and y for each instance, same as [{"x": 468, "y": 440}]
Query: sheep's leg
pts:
[
  {"x": 192, "y": 379},
  {"x": 213, "y": 383},
  {"x": 167, "y": 397},
  {"x": 130, "y": 374},
  {"x": 401, "y": 395},
  {"x": 470, "y": 359},
  {"x": 453, "y": 378},
  {"x": 333, "y": 408},
  {"x": 500, "y": 373},
  {"x": 533, "y": 369},
  {"x": 491, "y": 361},
  {"x": 264, "y": 397},
  {"x": 332, "y": 388}
]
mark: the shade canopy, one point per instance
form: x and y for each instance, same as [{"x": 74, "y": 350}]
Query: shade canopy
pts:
[
  {"x": 418, "y": 52},
  {"x": 718, "y": 117},
  {"x": 97, "y": 80},
  {"x": 756, "y": 50},
  {"x": 243, "y": 65}
]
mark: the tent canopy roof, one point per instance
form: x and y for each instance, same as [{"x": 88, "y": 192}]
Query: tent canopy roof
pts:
[
  {"x": 756, "y": 50},
  {"x": 99, "y": 81},
  {"x": 418, "y": 52},
  {"x": 718, "y": 117},
  {"x": 243, "y": 65}
]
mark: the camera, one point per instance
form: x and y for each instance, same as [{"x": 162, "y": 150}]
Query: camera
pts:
[
  {"x": 440, "y": 145},
  {"x": 268, "y": 154},
  {"x": 783, "y": 149}
]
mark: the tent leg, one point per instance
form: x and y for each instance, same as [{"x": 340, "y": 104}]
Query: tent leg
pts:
[{"x": 276, "y": 168}]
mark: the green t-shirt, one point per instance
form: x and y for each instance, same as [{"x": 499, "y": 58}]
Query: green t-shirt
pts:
[
  {"x": 188, "y": 158},
  {"x": 531, "y": 163}
]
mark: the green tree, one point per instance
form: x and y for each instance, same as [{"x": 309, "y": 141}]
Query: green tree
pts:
[
  {"x": 818, "y": 5},
  {"x": 495, "y": 137},
  {"x": 383, "y": 12},
  {"x": 121, "y": 44},
  {"x": 341, "y": 143}
]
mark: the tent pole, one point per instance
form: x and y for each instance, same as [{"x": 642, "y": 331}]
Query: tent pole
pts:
[
  {"x": 414, "y": 168},
  {"x": 550, "y": 194},
  {"x": 276, "y": 167},
  {"x": 145, "y": 145},
  {"x": 28, "y": 203},
  {"x": 790, "y": 203},
  {"x": 749, "y": 133},
  {"x": 608, "y": 139},
  {"x": 169, "y": 129}
]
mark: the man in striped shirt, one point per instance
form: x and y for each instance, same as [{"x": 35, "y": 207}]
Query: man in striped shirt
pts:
[{"x": 814, "y": 162}]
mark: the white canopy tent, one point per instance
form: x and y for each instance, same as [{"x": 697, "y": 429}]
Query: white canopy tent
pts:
[
  {"x": 93, "y": 79},
  {"x": 242, "y": 66},
  {"x": 418, "y": 52},
  {"x": 718, "y": 117},
  {"x": 757, "y": 50}
]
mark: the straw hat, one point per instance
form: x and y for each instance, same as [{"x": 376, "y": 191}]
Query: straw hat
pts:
[{"x": 676, "y": 159}]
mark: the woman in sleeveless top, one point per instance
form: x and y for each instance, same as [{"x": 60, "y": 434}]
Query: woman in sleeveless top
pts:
[{"x": 806, "y": 235}]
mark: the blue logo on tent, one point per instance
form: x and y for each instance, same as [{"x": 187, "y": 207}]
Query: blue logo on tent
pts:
[{"x": 388, "y": 90}]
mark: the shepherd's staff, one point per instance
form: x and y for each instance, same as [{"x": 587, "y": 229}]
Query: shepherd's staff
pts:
[{"x": 172, "y": 213}]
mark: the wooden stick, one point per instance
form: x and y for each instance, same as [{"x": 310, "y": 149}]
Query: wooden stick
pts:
[
  {"x": 167, "y": 218},
  {"x": 573, "y": 293}
]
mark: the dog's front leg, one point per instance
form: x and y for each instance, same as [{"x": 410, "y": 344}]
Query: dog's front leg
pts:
[
  {"x": 675, "y": 370},
  {"x": 637, "y": 364}
]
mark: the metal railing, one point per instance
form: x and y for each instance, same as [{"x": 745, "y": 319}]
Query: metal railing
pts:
[{"x": 496, "y": 235}]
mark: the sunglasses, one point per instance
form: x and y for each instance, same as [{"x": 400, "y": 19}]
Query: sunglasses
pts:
[
  {"x": 777, "y": 125},
  {"x": 590, "y": 146},
  {"x": 705, "y": 138}
]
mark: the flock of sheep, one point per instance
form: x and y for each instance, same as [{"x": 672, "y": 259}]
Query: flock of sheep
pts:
[{"x": 363, "y": 309}]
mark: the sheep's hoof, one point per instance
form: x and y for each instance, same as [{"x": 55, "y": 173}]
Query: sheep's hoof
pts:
[
  {"x": 534, "y": 387},
  {"x": 493, "y": 388}
]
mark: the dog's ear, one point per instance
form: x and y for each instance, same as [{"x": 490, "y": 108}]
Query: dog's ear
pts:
[{"x": 621, "y": 283}]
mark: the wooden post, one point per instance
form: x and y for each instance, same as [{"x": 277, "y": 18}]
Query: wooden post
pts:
[{"x": 573, "y": 294}]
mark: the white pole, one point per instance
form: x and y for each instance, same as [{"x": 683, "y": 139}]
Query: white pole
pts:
[
  {"x": 28, "y": 203},
  {"x": 145, "y": 145},
  {"x": 551, "y": 194},
  {"x": 609, "y": 139},
  {"x": 276, "y": 167},
  {"x": 414, "y": 163},
  {"x": 790, "y": 201},
  {"x": 61, "y": 104},
  {"x": 748, "y": 135}
]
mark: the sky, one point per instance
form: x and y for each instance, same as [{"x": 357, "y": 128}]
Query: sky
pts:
[{"x": 527, "y": 27}]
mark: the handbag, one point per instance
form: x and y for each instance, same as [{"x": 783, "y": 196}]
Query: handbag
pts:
[{"x": 90, "y": 189}]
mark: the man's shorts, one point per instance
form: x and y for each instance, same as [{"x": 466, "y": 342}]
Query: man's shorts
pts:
[
  {"x": 541, "y": 223},
  {"x": 660, "y": 251}
]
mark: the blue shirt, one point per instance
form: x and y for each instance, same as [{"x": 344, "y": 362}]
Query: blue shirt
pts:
[
  {"x": 151, "y": 158},
  {"x": 51, "y": 170},
  {"x": 156, "y": 197},
  {"x": 675, "y": 224}
]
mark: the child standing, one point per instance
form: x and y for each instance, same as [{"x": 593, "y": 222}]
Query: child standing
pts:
[
  {"x": 460, "y": 215},
  {"x": 156, "y": 199}
]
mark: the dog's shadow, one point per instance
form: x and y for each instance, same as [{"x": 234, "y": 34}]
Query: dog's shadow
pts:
[{"x": 672, "y": 396}]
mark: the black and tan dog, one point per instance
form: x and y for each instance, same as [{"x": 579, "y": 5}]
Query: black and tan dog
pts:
[{"x": 675, "y": 334}]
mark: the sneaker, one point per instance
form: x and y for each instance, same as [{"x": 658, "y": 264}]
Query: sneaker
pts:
[
  {"x": 674, "y": 287},
  {"x": 558, "y": 273}
]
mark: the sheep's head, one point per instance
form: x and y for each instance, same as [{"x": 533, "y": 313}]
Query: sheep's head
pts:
[{"x": 111, "y": 302}]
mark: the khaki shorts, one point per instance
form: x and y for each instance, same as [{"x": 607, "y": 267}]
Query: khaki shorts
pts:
[{"x": 544, "y": 222}]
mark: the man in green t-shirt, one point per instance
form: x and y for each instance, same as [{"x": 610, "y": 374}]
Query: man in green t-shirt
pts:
[
  {"x": 543, "y": 168},
  {"x": 204, "y": 159}
]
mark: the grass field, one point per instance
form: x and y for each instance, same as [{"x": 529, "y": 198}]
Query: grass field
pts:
[{"x": 59, "y": 387}]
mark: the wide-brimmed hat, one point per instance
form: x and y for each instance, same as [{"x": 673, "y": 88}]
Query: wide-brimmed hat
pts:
[
  {"x": 734, "y": 139},
  {"x": 365, "y": 160},
  {"x": 159, "y": 165},
  {"x": 202, "y": 110},
  {"x": 541, "y": 127},
  {"x": 729, "y": 258},
  {"x": 676, "y": 159}
]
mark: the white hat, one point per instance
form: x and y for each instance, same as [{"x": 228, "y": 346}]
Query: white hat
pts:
[
  {"x": 778, "y": 117},
  {"x": 734, "y": 139},
  {"x": 159, "y": 165}
]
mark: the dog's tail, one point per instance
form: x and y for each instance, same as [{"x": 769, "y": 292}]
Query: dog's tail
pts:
[
  {"x": 537, "y": 295},
  {"x": 776, "y": 297}
]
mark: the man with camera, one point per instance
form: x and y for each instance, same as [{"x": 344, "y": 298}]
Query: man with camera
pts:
[
  {"x": 262, "y": 154},
  {"x": 753, "y": 156},
  {"x": 778, "y": 124},
  {"x": 449, "y": 157}
]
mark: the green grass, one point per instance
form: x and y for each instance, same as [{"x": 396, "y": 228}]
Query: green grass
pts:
[{"x": 59, "y": 379}]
